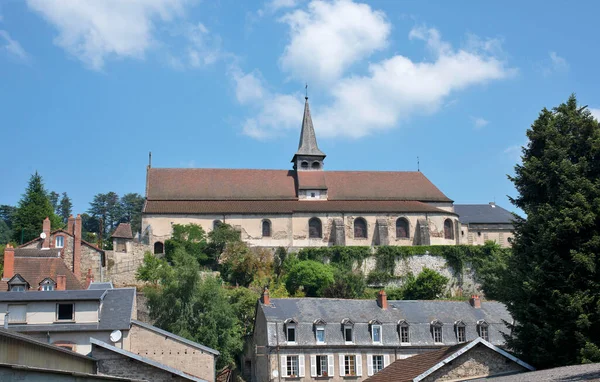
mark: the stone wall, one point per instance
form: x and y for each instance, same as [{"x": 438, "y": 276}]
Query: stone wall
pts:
[
  {"x": 170, "y": 352},
  {"x": 480, "y": 361},
  {"x": 117, "y": 365},
  {"x": 121, "y": 267}
]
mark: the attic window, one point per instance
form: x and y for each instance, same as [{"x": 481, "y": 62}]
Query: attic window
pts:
[
  {"x": 59, "y": 242},
  {"x": 304, "y": 165},
  {"x": 17, "y": 288},
  {"x": 461, "y": 334},
  {"x": 290, "y": 330},
  {"x": 436, "y": 332},
  {"x": 347, "y": 328},
  {"x": 482, "y": 330},
  {"x": 47, "y": 284},
  {"x": 403, "y": 330},
  {"x": 316, "y": 165}
]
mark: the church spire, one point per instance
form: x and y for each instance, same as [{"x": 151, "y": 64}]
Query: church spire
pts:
[
  {"x": 308, "y": 140},
  {"x": 308, "y": 156}
]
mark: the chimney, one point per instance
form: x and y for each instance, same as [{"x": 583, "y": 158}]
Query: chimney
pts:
[
  {"x": 77, "y": 247},
  {"x": 9, "y": 261},
  {"x": 265, "y": 297},
  {"x": 61, "y": 282},
  {"x": 382, "y": 299},
  {"x": 89, "y": 278},
  {"x": 475, "y": 301},
  {"x": 493, "y": 204},
  {"x": 46, "y": 230},
  {"x": 71, "y": 225}
]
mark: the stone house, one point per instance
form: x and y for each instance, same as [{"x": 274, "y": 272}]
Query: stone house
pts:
[
  {"x": 302, "y": 207},
  {"x": 465, "y": 361},
  {"x": 312, "y": 338},
  {"x": 483, "y": 222}
]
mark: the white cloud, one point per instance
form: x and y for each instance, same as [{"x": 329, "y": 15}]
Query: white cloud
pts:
[
  {"x": 595, "y": 113},
  {"x": 329, "y": 37},
  {"x": 12, "y": 47},
  {"x": 479, "y": 122},
  {"x": 94, "y": 30},
  {"x": 554, "y": 64},
  {"x": 515, "y": 152},
  {"x": 273, "y": 6}
]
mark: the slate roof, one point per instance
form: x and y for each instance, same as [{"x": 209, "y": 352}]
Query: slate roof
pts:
[
  {"x": 145, "y": 360},
  {"x": 101, "y": 285},
  {"x": 417, "y": 367},
  {"x": 115, "y": 312},
  {"x": 243, "y": 184},
  {"x": 418, "y": 314},
  {"x": 175, "y": 337},
  {"x": 62, "y": 231},
  {"x": 123, "y": 231},
  {"x": 483, "y": 213},
  {"x": 308, "y": 140},
  {"x": 577, "y": 373},
  {"x": 34, "y": 269}
]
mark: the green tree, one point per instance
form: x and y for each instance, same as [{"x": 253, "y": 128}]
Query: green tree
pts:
[
  {"x": 243, "y": 301},
  {"x": 65, "y": 208},
  {"x": 314, "y": 277},
  {"x": 7, "y": 214},
  {"x": 131, "y": 209},
  {"x": 188, "y": 237},
  {"x": 346, "y": 285},
  {"x": 554, "y": 270},
  {"x": 428, "y": 285},
  {"x": 153, "y": 269},
  {"x": 33, "y": 208},
  {"x": 6, "y": 233},
  {"x": 240, "y": 265},
  {"x": 219, "y": 238},
  {"x": 107, "y": 207},
  {"x": 54, "y": 196}
]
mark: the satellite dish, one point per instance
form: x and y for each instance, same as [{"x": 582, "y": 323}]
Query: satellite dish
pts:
[
  {"x": 275, "y": 374},
  {"x": 115, "y": 335},
  {"x": 43, "y": 235}
]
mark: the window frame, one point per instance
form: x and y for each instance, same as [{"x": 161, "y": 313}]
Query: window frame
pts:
[
  {"x": 349, "y": 365},
  {"x": 373, "y": 363},
  {"x": 58, "y": 319},
  {"x": 460, "y": 331},
  {"x": 380, "y": 328},
  {"x": 62, "y": 239},
  {"x": 361, "y": 221},
  {"x": 319, "y": 227},
  {"x": 481, "y": 327},
  {"x": 290, "y": 366},
  {"x": 403, "y": 326},
  {"x": 347, "y": 328},
  {"x": 436, "y": 328},
  {"x": 266, "y": 223},
  {"x": 403, "y": 220},
  {"x": 448, "y": 230},
  {"x": 319, "y": 358},
  {"x": 320, "y": 328},
  {"x": 16, "y": 287}
]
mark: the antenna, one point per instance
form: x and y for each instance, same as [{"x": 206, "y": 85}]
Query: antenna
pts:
[
  {"x": 149, "y": 159},
  {"x": 306, "y": 91},
  {"x": 418, "y": 165}
]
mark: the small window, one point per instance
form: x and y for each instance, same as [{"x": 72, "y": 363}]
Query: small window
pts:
[
  {"x": 404, "y": 334},
  {"x": 304, "y": 165},
  {"x": 322, "y": 366},
  {"x": 48, "y": 287},
  {"x": 314, "y": 228},
  {"x": 65, "y": 312},
  {"x": 17, "y": 288},
  {"x": 482, "y": 328},
  {"x": 360, "y": 228},
  {"x": 121, "y": 245},
  {"x": 266, "y": 228},
  {"x": 316, "y": 165},
  {"x": 436, "y": 332},
  {"x": 350, "y": 365},
  {"x": 159, "y": 248},
  {"x": 448, "y": 230},
  {"x": 291, "y": 333},
  {"x": 402, "y": 231},
  {"x": 292, "y": 367},
  {"x": 59, "y": 242},
  {"x": 377, "y": 363},
  {"x": 313, "y": 195},
  {"x": 376, "y": 333},
  {"x": 348, "y": 334},
  {"x": 320, "y": 334},
  {"x": 461, "y": 334}
]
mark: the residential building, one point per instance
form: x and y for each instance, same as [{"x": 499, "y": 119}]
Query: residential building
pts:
[
  {"x": 309, "y": 338},
  {"x": 304, "y": 206},
  {"x": 485, "y": 222},
  {"x": 465, "y": 361}
]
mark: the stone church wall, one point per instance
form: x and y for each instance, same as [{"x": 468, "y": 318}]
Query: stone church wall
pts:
[{"x": 122, "y": 266}]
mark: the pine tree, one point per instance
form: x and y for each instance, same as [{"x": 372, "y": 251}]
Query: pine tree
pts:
[
  {"x": 553, "y": 277},
  {"x": 65, "y": 208},
  {"x": 33, "y": 208}
]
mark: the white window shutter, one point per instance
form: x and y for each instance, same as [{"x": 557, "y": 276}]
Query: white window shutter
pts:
[
  {"x": 386, "y": 360},
  {"x": 301, "y": 366},
  {"x": 330, "y": 365},
  {"x": 342, "y": 370},
  {"x": 369, "y": 364},
  {"x": 284, "y": 370},
  {"x": 359, "y": 365},
  {"x": 313, "y": 365}
]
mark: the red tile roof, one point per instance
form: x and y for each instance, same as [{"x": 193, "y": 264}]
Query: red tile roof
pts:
[
  {"x": 284, "y": 206},
  {"x": 243, "y": 184},
  {"x": 123, "y": 231},
  {"x": 36, "y": 269}
]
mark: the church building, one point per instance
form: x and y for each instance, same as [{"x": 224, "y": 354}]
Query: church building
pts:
[{"x": 305, "y": 206}]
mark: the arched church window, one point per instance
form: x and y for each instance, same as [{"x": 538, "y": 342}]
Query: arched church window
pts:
[
  {"x": 314, "y": 228},
  {"x": 216, "y": 224},
  {"x": 266, "y": 228},
  {"x": 304, "y": 164},
  {"x": 159, "y": 248},
  {"x": 360, "y": 228},
  {"x": 402, "y": 231},
  {"x": 316, "y": 165},
  {"x": 448, "y": 229}
]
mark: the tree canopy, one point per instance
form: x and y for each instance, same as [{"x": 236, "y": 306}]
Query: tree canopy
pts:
[
  {"x": 314, "y": 277},
  {"x": 553, "y": 275}
]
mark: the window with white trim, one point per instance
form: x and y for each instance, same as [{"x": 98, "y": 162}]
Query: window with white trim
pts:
[
  {"x": 349, "y": 365},
  {"x": 483, "y": 330},
  {"x": 48, "y": 287},
  {"x": 404, "y": 334},
  {"x": 461, "y": 333},
  {"x": 376, "y": 333},
  {"x": 377, "y": 363},
  {"x": 59, "y": 241},
  {"x": 436, "y": 332},
  {"x": 290, "y": 333},
  {"x": 292, "y": 366},
  {"x": 320, "y": 334},
  {"x": 321, "y": 365},
  {"x": 348, "y": 338},
  {"x": 17, "y": 288}
]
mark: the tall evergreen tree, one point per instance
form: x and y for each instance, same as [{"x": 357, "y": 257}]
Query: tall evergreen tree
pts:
[
  {"x": 54, "y": 196},
  {"x": 131, "y": 208},
  {"x": 553, "y": 276},
  {"x": 65, "y": 208},
  {"x": 33, "y": 208}
]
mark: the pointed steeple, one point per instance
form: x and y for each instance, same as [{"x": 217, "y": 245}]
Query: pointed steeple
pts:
[{"x": 308, "y": 140}]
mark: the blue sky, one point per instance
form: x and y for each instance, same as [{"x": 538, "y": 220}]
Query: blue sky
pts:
[{"x": 88, "y": 88}]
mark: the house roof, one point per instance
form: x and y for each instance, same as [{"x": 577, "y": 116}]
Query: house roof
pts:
[
  {"x": 308, "y": 140},
  {"x": 418, "y": 367},
  {"x": 169, "y": 184},
  {"x": 47, "y": 347},
  {"x": 37, "y": 252},
  {"x": 34, "y": 269},
  {"x": 417, "y": 313},
  {"x": 123, "y": 231},
  {"x": 145, "y": 360},
  {"x": 483, "y": 213},
  {"x": 101, "y": 285},
  {"x": 587, "y": 372},
  {"x": 76, "y": 375},
  {"x": 66, "y": 233},
  {"x": 175, "y": 337},
  {"x": 286, "y": 206}
]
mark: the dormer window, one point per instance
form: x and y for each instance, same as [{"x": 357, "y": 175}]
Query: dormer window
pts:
[
  {"x": 461, "y": 333},
  {"x": 18, "y": 284},
  {"x": 47, "y": 284},
  {"x": 483, "y": 330},
  {"x": 376, "y": 331},
  {"x": 348, "y": 330},
  {"x": 320, "y": 331},
  {"x": 59, "y": 242},
  {"x": 290, "y": 330},
  {"x": 403, "y": 331},
  {"x": 436, "y": 332}
]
